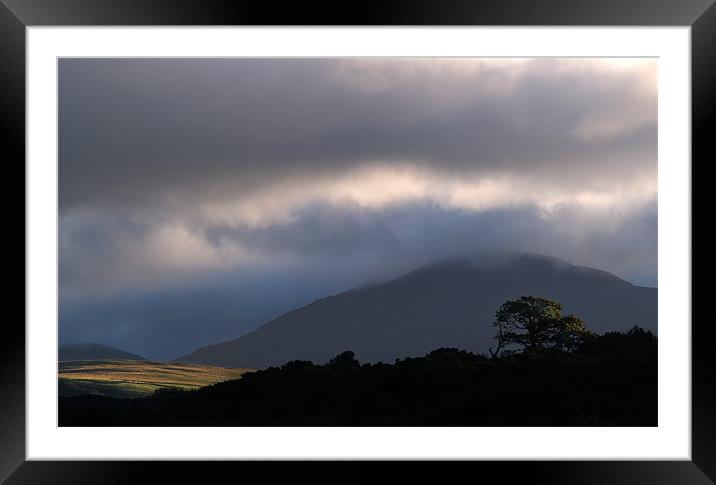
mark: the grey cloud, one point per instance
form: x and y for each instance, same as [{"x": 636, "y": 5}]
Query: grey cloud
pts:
[
  {"x": 414, "y": 234},
  {"x": 138, "y": 131},
  {"x": 366, "y": 243}
]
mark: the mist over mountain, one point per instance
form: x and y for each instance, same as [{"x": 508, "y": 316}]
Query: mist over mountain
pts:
[
  {"x": 448, "y": 304},
  {"x": 94, "y": 351}
]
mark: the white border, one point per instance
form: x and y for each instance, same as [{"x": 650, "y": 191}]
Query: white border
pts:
[{"x": 670, "y": 440}]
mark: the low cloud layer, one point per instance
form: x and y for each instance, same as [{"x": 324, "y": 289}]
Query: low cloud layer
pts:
[{"x": 178, "y": 173}]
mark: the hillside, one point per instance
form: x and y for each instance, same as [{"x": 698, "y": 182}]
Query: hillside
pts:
[
  {"x": 451, "y": 304},
  {"x": 131, "y": 378},
  {"x": 92, "y": 351}
]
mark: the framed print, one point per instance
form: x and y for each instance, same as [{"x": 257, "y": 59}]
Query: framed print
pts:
[{"x": 414, "y": 232}]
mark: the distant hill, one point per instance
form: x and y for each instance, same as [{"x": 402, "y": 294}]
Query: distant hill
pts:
[
  {"x": 92, "y": 351},
  {"x": 450, "y": 304}
]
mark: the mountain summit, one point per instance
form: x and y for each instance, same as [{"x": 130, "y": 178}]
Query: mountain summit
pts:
[{"x": 448, "y": 304}]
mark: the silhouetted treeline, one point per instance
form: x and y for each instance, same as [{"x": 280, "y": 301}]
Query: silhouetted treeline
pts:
[{"x": 611, "y": 380}]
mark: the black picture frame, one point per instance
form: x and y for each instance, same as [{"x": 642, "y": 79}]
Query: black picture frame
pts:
[{"x": 16, "y": 15}]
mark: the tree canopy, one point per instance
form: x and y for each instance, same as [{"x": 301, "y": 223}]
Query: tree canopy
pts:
[{"x": 532, "y": 323}]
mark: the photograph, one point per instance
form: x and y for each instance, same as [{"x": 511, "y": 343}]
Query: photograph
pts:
[{"x": 357, "y": 241}]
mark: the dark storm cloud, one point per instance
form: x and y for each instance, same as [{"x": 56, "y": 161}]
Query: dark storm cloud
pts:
[{"x": 144, "y": 131}]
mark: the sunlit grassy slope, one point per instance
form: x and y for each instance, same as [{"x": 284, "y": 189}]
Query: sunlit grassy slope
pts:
[{"x": 125, "y": 378}]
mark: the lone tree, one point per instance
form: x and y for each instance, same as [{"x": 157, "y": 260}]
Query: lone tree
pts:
[{"x": 536, "y": 323}]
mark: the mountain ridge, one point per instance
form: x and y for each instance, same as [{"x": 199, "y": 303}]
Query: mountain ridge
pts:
[{"x": 449, "y": 303}]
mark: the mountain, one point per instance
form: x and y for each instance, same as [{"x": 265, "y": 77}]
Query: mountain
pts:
[
  {"x": 92, "y": 351},
  {"x": 450, "y": 304}
]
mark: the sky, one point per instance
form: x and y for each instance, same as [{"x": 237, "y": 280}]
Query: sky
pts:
[{"x": 198, "y": 198}]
